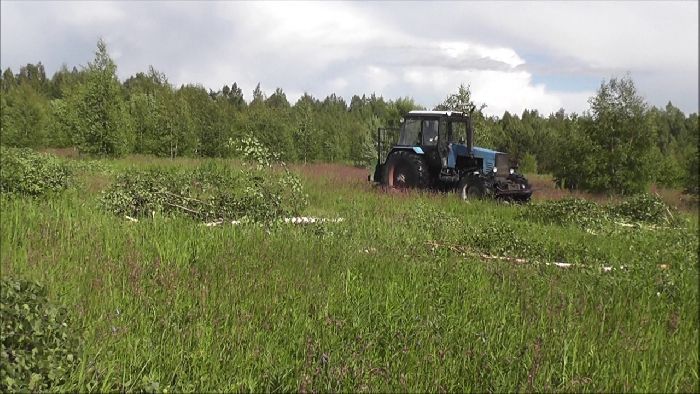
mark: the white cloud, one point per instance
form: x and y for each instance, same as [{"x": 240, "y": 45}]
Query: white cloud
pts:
[
  {"x": 393, "y": 49},
  {"x": 77, "y": 14},
  {"x": 338, "y": 84},
  {"x": 500, "y": 91},
  {"x": 465, "y": 50},
  {"x": 616, "y": 35},
  {"x": 379, "y": 78}
]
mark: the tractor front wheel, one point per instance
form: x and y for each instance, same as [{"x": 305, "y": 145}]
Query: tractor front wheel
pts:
[
  {"x": 471, "y": 188},
  {"x": 404, "y": 169}
]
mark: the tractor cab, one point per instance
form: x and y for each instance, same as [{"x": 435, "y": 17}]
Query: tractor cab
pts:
[{"x": 442, "y": 138}]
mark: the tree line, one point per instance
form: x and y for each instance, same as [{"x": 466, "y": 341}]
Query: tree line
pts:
[{"x": 621, "y": 144}]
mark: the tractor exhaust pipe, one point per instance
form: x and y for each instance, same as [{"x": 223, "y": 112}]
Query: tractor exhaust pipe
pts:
[{"x": 470, "y": 132}]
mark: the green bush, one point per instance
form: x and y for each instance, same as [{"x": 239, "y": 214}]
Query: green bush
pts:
[
  {"x": 576, "y": 211},
  {"x": 528, "y": 164},
  {"x": 87, "y": 166},
  {"x": 669, "y": 171},
  {"x": 38, "y": 347},
  {"x": 645, "y": 208},
  {"x": 210, "y": 192},
  {"x": 29, "y": 173},
  {"x": 641, "y": 208},
  {"x": 692, "y": 174}
]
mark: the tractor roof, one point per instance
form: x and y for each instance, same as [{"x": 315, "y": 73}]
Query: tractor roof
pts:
[{"x": 437, "y": 113}]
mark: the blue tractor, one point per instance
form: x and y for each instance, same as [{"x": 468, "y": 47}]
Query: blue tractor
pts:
[{"x": 434, "y": 149}]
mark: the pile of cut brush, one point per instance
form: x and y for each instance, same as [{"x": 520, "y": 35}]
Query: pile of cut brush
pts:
[
  {"x": 643, "y": 210},
  {"x": 211, "y": 192}
]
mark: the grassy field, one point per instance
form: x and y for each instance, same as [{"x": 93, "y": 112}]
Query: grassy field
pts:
[{"x": 411, "y": 292}]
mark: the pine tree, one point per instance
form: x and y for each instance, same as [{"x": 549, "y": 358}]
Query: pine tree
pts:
[
  {"x": 258, "y": 96},
  {"x": 235, "y": 97}
]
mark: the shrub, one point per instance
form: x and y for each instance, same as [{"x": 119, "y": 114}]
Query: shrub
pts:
[
  {"x": 38, "y": 347},
  {"x": 87, "y": 166},
  {"x": 27, "y": 172},
  {"x": 642, "y": 208},
  {"x": 502, "y": 239},
  {"x": 645, "y": 208},
  {"x": 692, "y": 174},
  {"x": 528, "y": 164},
  {"x": 574, "y": 211},
  {"x": 210, "y": 192}
]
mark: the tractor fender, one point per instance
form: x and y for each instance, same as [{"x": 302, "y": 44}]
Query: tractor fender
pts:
[{"x": 415, "y": 149}]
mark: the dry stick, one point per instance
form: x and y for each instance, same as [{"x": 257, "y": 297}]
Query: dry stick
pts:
[
  {"x": 183, "y": 197},
  {"x": 466, "y": 250},
  {"x": 187, "y": 199},
  {"x": 183, "y": 208}
]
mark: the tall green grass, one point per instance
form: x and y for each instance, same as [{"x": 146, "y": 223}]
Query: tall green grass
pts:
[{"x": 363, "y": 305}]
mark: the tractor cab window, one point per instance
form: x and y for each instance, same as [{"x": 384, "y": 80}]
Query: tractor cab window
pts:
[
  {"x": 457, "y": 132},
  {"x": 410, "y": 135},
  {"x": 442, "y": 136},
  {"x": 430, "y": 132}
]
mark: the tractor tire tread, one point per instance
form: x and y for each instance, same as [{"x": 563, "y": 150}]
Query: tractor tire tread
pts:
[{"x": 408, "y": 161}]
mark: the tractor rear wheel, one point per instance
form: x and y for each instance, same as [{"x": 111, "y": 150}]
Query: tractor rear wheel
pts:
[{"x": 404, "y": 169}]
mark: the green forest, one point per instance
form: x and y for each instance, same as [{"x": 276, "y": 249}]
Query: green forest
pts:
[{"x": 620, "y": 145}]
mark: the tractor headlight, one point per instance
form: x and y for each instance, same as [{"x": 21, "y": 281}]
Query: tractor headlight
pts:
[
  {"x": 512, "y": 171},
  {"x": 495, "y": 170}
]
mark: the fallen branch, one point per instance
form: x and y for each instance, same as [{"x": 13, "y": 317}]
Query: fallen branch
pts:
[
  {"x": 292, "y": 220},
  {"x": 307, "y": 220},
  {"x": 646, "y": 226},
  {"x": 183, "y": 208},
  {"x": 465, "y": 250},
  {"x": 183, "y": 197}
]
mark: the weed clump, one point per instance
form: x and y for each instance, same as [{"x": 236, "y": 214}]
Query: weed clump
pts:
[
  {"x": 502, "y": 239},
  {"x": 38, "y": 347},
  {"x": 24, "y": 172},
  {"x": 210, "y": 192},
  {"x": 645, "y": 208},
  {"x": 576, "y": 211},
  {"x": 640, "y": 209},
  {"x": 87, "y": 166}
]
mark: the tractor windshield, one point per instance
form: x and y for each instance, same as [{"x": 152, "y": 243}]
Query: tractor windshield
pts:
[
  {"x": 457, "y": 132},
  {"x": 411, "y": 133}
]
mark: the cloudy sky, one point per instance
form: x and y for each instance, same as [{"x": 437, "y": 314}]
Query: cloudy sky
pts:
[{"x": 515, "y": 55}]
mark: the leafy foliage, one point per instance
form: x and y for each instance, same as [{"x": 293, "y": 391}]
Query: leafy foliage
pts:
[
  {"x": 101, "y": 123},
  {"x": 612, "y": 149},
  {"x": 645, "y": 208},
  {"x": 528, "y": 164},
  {"x": 460, "y": 101},
  {"x": 692, "y": 181},
  {"x": 641, "y": 208},
  {"x": 250, "y": 149},
  {"x": 29, "y": 173},
  {"x": 24, "y": 117},
  {"x": 576, "y": 211},
  {"x": 38, "y": 345},
  {"x": 211, "y": 192}
]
